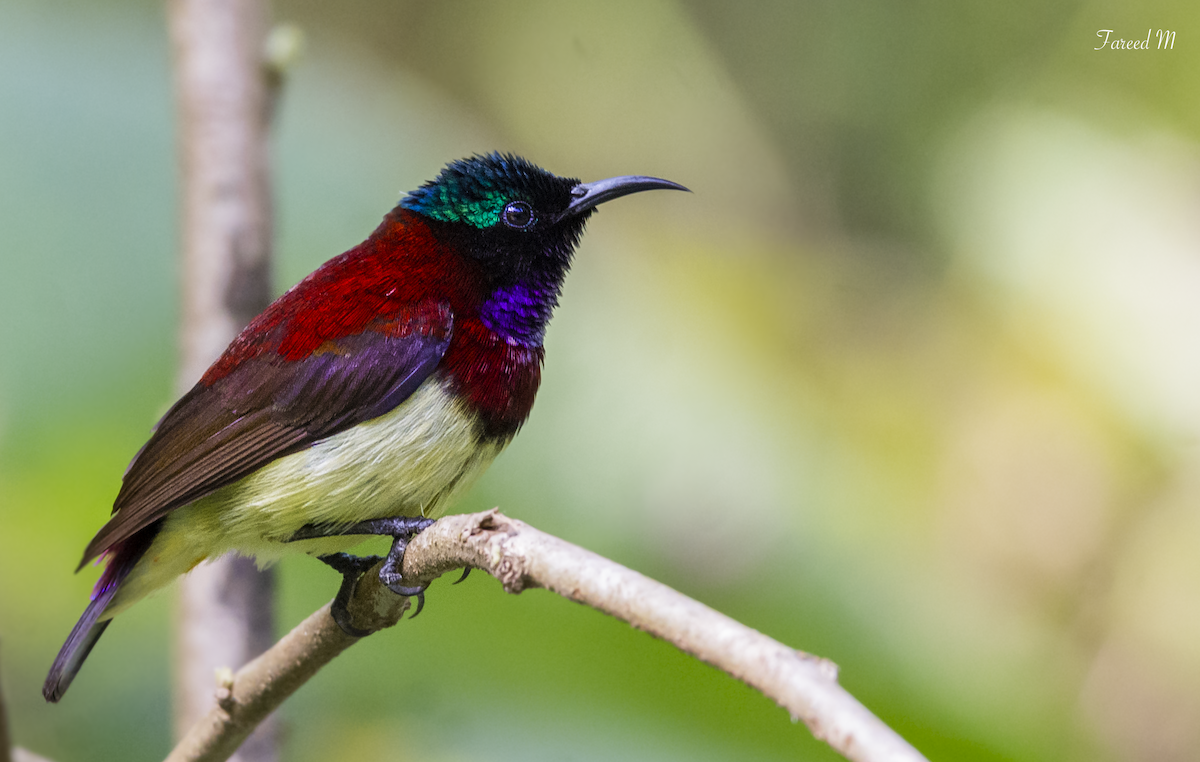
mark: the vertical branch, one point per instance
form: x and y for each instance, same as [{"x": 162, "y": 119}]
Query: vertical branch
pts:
[
  {"x": 8, "y": 752},
  {"x": 5, "y": 738},
  {"x": 224, "y": 616}
]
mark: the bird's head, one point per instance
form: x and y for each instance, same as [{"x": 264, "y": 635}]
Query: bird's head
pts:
[
  {"x": 520, "y": 224},
  {"x": 518, "y": 219}
]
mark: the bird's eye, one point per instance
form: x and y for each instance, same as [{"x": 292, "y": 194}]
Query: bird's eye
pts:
[{"x": 518, "y": 215}]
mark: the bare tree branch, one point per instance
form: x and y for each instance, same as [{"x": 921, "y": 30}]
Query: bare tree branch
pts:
[
  {"x": 223, "y": 95},
  {"x": 6, "y": 747},
  {"x": 245, "y": 699},
  {"x": 8, "y": 752},
  {"x": 522, "y": 557}
]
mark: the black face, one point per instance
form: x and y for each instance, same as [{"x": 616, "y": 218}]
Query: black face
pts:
[
  {"x": 522, "y": 223},
  {"x": 503, "y": 210}
]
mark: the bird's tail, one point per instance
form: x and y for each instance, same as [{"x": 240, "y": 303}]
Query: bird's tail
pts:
[{"x": 121, "y": 560}]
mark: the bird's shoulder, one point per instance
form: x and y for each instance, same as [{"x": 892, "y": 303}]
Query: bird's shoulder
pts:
[{"x": 392, "y": 285}]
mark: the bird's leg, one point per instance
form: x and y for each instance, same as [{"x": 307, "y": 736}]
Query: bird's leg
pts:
[
  {"x": 391, "y": 573},
  {"x": 396, "y": 526},
  {"x": 351, "y": 568},
  {"x": 400, "y": 528}
]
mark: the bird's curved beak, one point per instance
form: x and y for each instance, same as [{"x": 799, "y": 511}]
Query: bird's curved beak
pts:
[{"x": 587, "y": 196}]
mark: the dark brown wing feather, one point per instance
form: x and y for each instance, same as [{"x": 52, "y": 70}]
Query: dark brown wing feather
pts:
[{"x": 264, "y": 409}]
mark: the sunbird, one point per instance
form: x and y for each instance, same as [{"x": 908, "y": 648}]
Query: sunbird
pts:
[{"x": 362, "y": 401}]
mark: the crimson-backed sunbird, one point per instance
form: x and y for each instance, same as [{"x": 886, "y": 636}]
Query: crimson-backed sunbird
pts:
[{"x": 363, "y": 400}]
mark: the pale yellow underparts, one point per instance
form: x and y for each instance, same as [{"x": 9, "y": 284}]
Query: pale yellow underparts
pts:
[{"x": 412, "y": 461}]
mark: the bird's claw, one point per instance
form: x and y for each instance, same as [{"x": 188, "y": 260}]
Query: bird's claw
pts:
[
  {"x": 351, "y": 569},
  {"x": 392, "y": 575},
  {"x": 401, "y": 529}
]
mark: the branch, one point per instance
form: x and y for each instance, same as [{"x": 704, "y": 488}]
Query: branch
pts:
[
  {"x": 224, "y": 94},
  {"x": 6, "y": 748},
  {"x": 8, "y": 752},
  {"x": 522, "y": 557}
]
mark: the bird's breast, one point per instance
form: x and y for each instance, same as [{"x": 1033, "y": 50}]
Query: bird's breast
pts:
[{"x": 496, "y": 378}]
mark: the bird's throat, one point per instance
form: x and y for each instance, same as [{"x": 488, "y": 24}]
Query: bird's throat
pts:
[{"x": 520, "y": 312}]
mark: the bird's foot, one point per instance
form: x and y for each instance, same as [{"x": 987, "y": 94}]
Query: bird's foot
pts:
[
  {"x": 401, "y": 528},
  {"x": 351, "y": 568},
  {"x": 392, "y": 573}
]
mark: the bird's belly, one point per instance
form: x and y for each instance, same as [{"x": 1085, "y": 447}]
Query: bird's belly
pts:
[{"x": 411, "y": 461}]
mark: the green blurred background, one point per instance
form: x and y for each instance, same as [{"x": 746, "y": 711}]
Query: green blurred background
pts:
[{"x": 912, "y": 380}]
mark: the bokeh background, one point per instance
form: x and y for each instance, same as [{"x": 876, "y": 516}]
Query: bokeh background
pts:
[{"x": 912, "y": 380}]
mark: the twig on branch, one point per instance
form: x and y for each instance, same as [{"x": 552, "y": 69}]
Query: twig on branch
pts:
[
  {"x": 522, "y": 557},
  {"x": 245, "y": 699}
]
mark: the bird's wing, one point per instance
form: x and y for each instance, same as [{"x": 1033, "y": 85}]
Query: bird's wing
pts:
[{"x": 268, "y": 406}]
